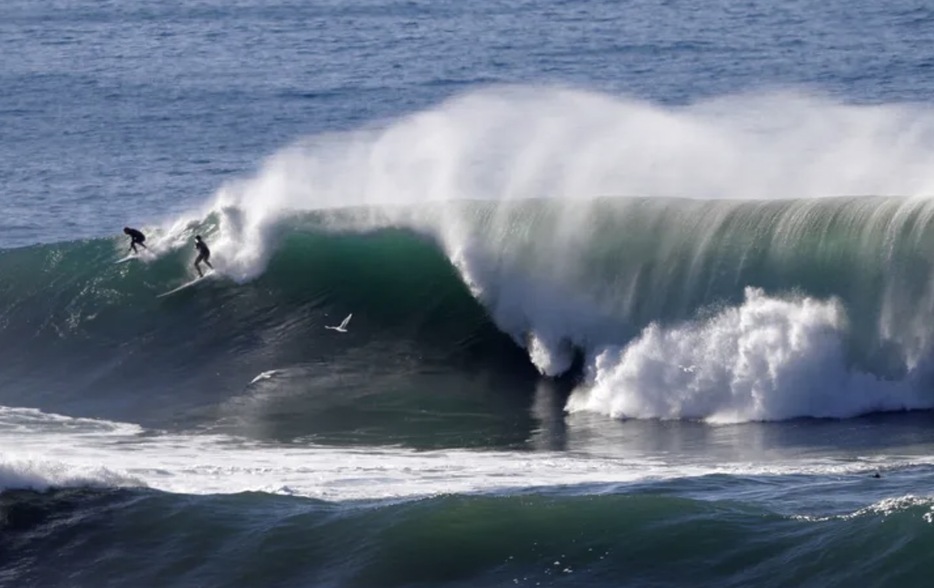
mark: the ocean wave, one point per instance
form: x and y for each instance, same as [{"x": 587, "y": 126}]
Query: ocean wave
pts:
[
  {"x": 485, "y": 232},
  {"x": 815, "y": 297}
]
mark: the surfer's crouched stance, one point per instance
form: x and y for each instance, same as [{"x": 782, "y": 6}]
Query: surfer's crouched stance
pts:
[
  {"x": 204, "y": 254},
  {"x": 136, "y": 238}
]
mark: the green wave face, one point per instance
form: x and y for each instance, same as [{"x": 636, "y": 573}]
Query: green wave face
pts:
[{"x": 508, "y": 286}]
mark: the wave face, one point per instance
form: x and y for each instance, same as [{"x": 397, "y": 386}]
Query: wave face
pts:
[
  {"x": 85, "y": 336},
  {"x": 717, "y": 309}
]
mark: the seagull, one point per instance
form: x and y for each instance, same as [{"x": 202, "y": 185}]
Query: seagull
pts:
[
  {"x": 341, "y": 328},
  {"x": 264, "y": 376}
]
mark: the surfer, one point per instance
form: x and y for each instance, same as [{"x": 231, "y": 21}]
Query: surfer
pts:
[
  {"x": 136, "y": 238},
  {"x": 204, "y": 254}
]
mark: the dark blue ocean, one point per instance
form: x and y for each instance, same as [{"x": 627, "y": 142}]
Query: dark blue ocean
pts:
[{"x": 639, "y": 293}]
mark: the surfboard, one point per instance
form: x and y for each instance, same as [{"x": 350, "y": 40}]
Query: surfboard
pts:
[
  {"x": 186, "y": 285},
  {"x": 144, "y": 255}
]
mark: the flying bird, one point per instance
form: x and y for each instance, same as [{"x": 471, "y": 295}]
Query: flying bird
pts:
[
  {"x": 264, "y": 376},
  {"x": 341, "y": 328}
]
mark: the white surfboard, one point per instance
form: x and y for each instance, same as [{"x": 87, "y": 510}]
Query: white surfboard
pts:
[
  {"x": 186, "y": 285},
  {"x": 145, "y": 254}
]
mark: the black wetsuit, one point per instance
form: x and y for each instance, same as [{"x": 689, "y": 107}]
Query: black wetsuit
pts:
[
  {"x": 136, "y": 238},
  {"x": 204, "y": 254}
]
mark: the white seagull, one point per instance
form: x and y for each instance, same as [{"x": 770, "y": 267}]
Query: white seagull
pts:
[
  {"x": 341, "y": 328},
  {"x": 264, "y": 376}
]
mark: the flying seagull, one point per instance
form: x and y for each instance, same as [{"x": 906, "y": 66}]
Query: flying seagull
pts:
[
  {"x": 341, "y": 328},
  {"x": 264, "y": 376}
]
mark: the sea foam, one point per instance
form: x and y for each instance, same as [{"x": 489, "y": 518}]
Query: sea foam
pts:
[{"x": 766, "y": 359}]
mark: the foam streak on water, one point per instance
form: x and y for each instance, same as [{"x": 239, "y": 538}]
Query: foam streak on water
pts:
[{"x": 58, "y": 451}]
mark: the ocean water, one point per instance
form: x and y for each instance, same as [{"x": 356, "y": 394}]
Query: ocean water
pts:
[{"x": 641, "y": 293}]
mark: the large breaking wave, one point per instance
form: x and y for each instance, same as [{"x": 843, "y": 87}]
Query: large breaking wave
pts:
[
  {"x": 723, "y": 310},
  {"x": 539, "y": 231}
]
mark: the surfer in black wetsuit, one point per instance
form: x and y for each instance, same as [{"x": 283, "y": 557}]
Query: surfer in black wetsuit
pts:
[
  {"x": 204, "y": 254},
  {"x": 136, "y": 238}
]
